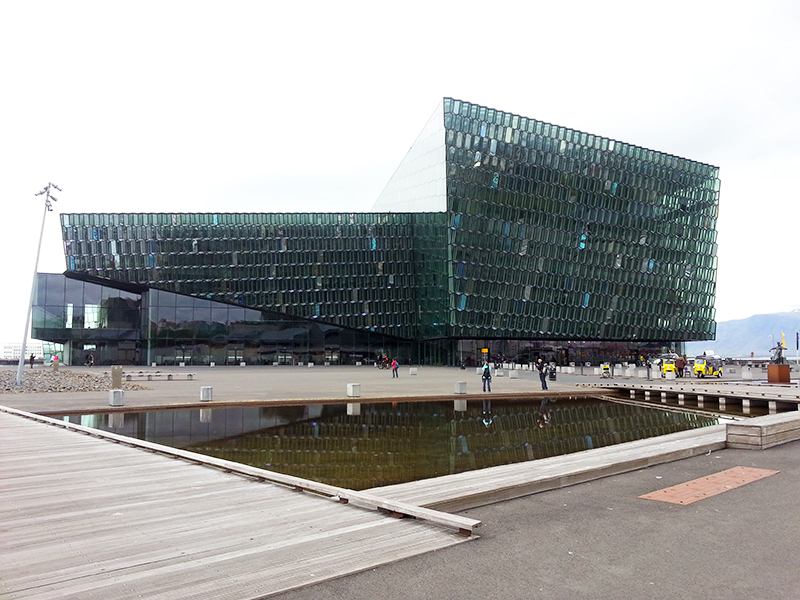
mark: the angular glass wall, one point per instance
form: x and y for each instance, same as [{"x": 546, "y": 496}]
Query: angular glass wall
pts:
[
  {"x": 88, "y": 318},
  {"x": 431, "y": 262},
  {"x": 354, "y": 269},
  {"x": 560, "y": 234},
  {"x": 118, "y": 324},
  {"x": 418, "y": 185}
]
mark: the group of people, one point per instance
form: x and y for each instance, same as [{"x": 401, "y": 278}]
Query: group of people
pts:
[
  {"x": 542, "y": 367},
  {"x": 53, "y": 359}
]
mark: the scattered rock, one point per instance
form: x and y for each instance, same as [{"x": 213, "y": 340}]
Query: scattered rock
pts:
[{"x": 37, "y": 381}]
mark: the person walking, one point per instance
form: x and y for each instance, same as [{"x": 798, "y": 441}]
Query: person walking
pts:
[
  {"x": 395, "y": 366},
  {"x": 487, "y": 377},
  {"x": 32, "y": 359},
  {"x": 680, "y": 366},
  {"x": 542, "y": 367}
]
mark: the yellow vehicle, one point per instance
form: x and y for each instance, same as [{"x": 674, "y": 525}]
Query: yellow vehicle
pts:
[
  {"x": 668, "y": 365},
  {"x": 707, "y": 366}
]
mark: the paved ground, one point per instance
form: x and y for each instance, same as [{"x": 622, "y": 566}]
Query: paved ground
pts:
[
  {"x": 596, "y": 540},
  {"x": 599, "y": 540},
  {"x": 284, "y": 383},
  {"x": 287, "y": 383}
]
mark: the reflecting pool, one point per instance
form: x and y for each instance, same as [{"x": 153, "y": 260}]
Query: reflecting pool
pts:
[{"x": 364, "y": 445}]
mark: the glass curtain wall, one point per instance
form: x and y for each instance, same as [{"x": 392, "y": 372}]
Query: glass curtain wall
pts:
[
  {"x": 559, "y": 234},
  {"x": 123, "y": 326},
  {"x": 354, "y": 269}
]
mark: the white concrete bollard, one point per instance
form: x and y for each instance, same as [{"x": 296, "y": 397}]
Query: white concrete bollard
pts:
[
  {"x": 354, "y": 390},
  {"x": 460, "y": 387},
  {"x": 311, "y": 364},
  {"x": 242, "y": 364},
  {"x": 181, "y": 364},
  {"x": 212, "y": 364},
  {"x": 206, "y": 393},
  {"x": 116, "y": 398},
  {"x": 412, "y": 370},
  {"x": 513, "y": 374}
]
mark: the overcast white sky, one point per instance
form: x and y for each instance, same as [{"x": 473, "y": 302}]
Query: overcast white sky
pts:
[{"x": 310, "y": 106}]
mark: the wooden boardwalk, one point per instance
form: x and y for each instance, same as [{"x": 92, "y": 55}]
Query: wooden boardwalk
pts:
[
  {"x": 82, "y": 517},
  {"x": 712, "y": 395}
]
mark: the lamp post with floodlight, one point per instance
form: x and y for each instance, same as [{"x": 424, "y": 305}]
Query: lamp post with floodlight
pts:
[{"x": 48, "y": 206}]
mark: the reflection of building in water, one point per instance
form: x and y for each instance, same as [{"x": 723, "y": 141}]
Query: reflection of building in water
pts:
[{"x": 407, "y": 442}]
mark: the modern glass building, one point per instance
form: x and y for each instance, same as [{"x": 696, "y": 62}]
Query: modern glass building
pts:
[
  {"x": 122, "y": 323},
  {"x": 496, "y": 231}
]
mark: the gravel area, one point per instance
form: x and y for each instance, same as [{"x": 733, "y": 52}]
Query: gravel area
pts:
[{"x": 41, "y": 380}]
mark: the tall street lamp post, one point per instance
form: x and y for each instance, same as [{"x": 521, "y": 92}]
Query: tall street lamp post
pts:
[{"x": 48, "y": 206}]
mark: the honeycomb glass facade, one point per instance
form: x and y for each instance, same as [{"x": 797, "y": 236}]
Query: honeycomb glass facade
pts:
[
  {"x": 355, "y": 269},
  {"x": 494, "y": 227}
]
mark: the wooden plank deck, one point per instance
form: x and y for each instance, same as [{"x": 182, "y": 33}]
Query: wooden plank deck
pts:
[
  {"x": 82, "y": 517},
  {"x": 462, "y": 491},
  {"x": 711, "y": 388}
]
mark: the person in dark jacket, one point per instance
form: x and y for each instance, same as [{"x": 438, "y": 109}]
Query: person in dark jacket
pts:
[{"x": 543, "y": 368}]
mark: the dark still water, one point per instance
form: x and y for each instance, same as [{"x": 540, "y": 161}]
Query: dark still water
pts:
[{"x": 394, "y": 443}]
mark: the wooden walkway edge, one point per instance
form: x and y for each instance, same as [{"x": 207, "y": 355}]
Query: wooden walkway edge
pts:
[{"x": 81, "y": 517}]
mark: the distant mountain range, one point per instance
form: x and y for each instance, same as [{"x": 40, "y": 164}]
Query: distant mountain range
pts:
[{"x": 756, "y": 335}]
